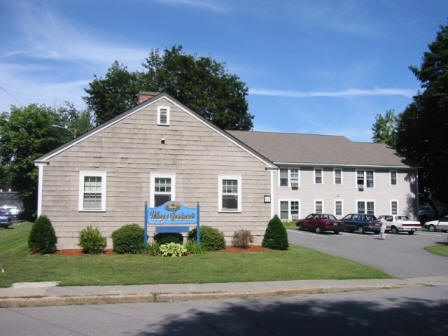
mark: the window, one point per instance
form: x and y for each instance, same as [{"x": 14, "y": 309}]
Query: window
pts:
[
  {"x": 294, "y": 173},
  {"x": 92, "y": 191},
  {"x": 289, "y": 210},
  {"x": 365, "y": 179},
  {"x": 162, "y": 189},
  {"x": 230, "y": 193},
  {"x": 337, "y": 176},
  {"x": 289, "y": 177},
  {"x": 366, "y": 207},
  {"x": 394, "y": 207},
  {"x": 360, "y": 179},
  {"x": 318, "y": 206},
  {"x": 284, "y": 177},
  {"x": 163, "y": 115},
  {"x": 369, "y": 179},
  {"x": 393, "y": 177},
  {"x": 338, "y": 208},
  {"x": 318, "y": 176}
]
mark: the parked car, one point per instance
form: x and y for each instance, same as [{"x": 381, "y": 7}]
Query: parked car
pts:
[
  {"x": 361, "y": 223},
  {"x": 396, "y": 223},
  {"x": 426, "y": 213},
  {"x": 438, "y": 224},
  {"x": 320, "y": 223},
  {"x": 6, "y": 217}
]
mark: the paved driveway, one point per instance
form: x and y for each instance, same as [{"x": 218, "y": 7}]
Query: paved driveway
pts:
[{"x": 401, "y": 255}]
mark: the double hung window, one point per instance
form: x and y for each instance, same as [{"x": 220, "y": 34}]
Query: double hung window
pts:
[
  {"x": 92, "y": 191},
  {"x": 229, "y": 193}
]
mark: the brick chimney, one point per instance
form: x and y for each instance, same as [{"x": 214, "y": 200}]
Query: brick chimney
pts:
[{"x": 145, "y": 96}]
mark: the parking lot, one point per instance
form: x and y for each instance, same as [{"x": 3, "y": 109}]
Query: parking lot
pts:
[{"x": 399, "y": 255}]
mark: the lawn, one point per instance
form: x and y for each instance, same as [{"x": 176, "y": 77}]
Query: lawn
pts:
[
  {"x": 439, "y": 249},
  {"x": 295, "y": 264}
]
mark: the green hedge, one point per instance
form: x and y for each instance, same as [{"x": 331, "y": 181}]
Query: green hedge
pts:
[{"x": 128, "y": 239}]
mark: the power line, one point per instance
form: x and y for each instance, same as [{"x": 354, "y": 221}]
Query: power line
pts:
[{"x": 10, "y": 95}]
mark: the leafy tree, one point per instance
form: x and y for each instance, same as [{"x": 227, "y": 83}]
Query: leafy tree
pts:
[
  {"x": 25, "y": 134},
  {"x": 423, "y": 127},
  {"x": 385, "y": 128},
  {"x": 201, "y": 83}
]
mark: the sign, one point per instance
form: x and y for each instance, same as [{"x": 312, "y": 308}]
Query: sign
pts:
[{"x": 172, "y": 217}]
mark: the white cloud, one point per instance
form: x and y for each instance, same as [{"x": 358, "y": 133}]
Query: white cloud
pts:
[
  {"x": 336, "y": 94},
  {"x": 211, "y": 5}
]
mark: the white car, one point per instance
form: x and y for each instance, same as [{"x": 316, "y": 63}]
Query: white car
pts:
[
  {"x": 438, "y": 224},
  {"x": 396, "y": 224}
]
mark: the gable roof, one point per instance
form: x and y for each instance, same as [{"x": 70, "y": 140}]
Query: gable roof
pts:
[
  {"x": 312, "y": 149},
  {"x": 44, "y": 159}
]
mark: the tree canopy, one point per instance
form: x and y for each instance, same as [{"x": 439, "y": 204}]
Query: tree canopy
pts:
[
  {"x": 200, "y": 83},
  {"x": 423, "y": 127},
  {"x": 384, "y": 128}
]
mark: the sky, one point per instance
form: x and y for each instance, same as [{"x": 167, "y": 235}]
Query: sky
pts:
[{"x": 312, "y": 66}]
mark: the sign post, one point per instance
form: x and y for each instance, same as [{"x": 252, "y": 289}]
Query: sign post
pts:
[{"x": 172, "y": 217}]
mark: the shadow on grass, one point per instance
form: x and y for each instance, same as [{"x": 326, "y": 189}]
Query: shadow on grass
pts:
[{"x": 312, "y": 317}]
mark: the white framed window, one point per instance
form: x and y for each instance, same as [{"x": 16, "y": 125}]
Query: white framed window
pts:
[
  {"x": 366, "y": 207},
  {"x": 92, "y": 191},
  {"x": 318, "y": 206},
  {"x": 162, "y": 189},
  {"x": 337, "y": 174},
  {"x": 230, "y": 198},
  {"x": 365, "y": 179},
  {"x": 289, "y": 178},
  {"x": 394, "y": 207},
  {"x": 163, "y": 115},
  {"x": 289, "y": 209},
  {"x": 284, "y": 180},
  {"x": 294, "y": 178},
  {"x": 338, "y": 208},
  {"x": 318, "y": 176},
  {"x": 393, "y": 177}
]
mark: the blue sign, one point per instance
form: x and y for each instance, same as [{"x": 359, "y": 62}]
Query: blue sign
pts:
[{"x": 172, "y": 217}]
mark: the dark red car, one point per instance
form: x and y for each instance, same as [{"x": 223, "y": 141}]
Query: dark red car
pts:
[{"x": 320, "y": 223}]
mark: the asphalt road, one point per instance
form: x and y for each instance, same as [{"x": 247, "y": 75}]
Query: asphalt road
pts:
[{"x": 400, "y": 255}]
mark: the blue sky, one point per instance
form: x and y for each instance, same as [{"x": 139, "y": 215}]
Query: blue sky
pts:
[{"x": 312, "y": 66}]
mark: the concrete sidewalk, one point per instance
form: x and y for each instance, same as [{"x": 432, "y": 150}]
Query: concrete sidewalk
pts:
[{"x": 50, "y": 294}]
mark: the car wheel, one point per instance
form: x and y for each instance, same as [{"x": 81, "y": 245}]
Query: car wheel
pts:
[
  {"x": 360, "y": 229},
  {"x": 394, "y": 230},
  {"x": 411, "y": 232},
  {"x": 318, "y": 229},
  {"x": 431, "y": 228},
  {"x": 336, "y": 231}
]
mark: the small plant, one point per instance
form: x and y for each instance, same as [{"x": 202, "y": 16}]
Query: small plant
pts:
[
  {"x": 42, "y": 237},
  {"x": 275, "y": 237},
  {"x": 194, "y": 248},
  {"x": 173, "y": 250},
  {"x": 128, "y": 239},
  {"x": 242, "y": 238},
  {"x": 211, "y": 239},
  {"x": 91, "y": 240},
  {"x": 153, "y": 249}
]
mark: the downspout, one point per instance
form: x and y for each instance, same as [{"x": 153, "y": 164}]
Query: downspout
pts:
[{"x": 40, "y": 167}]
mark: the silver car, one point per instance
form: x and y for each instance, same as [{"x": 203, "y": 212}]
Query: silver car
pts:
[{"x": 438, "y": 224}]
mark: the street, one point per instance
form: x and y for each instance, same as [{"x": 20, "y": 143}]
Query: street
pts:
[{"x": 411, "y": 311}]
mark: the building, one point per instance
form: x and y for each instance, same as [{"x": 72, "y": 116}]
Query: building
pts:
[
  {"x": 331, "y": 174},
  {"x": 161, "y": 150}
]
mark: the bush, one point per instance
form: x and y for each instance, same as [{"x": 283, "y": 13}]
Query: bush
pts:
[
  {"x": 242, "y": 238},
  {"x": 211, "y": 238},
  {"x": 173, "y": 250},
  {"x": 275, "y": 237},
  {"x": 128, "y": 239},
  {"x": 153, "y": 249},
  {"x": 194, "y": 248},
  {"x": 91, "y": 240},
  {"x": 165, "y": 238},
  {"x": 42, "y": 236}
]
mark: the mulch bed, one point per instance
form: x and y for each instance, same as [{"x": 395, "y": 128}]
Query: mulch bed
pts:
[{"x": 230, "y": 249}]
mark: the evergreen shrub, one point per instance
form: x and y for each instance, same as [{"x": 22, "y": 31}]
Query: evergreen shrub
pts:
[
  {"x": 91, "y": 240},
  {"x": 275, "y": 237},
  {"x": 211, "y": 239},
  {"x": 128, "y": 239},
  {"x": 42, "y": 237}
]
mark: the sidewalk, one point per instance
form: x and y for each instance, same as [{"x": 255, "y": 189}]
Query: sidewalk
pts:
[{"x": 49, "y": 294}]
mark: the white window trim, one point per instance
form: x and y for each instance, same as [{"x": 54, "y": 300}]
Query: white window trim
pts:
[
  {"x": 240, "y": 196},
  {"x": 365, "y": 201},
  {"x": 323, "y": 205},
  {"x": 390, "y": 177},
  {"x": 82, "y": 175},
  {"x": 289, "y": 200},
  {"x": 153, "y": 184},
  {"x": 398, "y": 207},
  {"x": 342, "y": 207},
  {"x": 159, "y": 109},
  {"x": 321, "y": 175},
  {"x": 364, "y": 186},
  {"x": 334, "y": 176}
]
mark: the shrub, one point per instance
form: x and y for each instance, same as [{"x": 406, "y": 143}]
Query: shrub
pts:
[
  {"x": 153, "y": 249},
  {"x": 128, "y": 239},
  {"x": 42, "y": 237},
  {"x": 242, "y": 238},
  {"x": 194, "y": 248},
  {"x": 275, "y": 236},
  {"x": 91, "y": 240},
  {"x": 173, "y": 250},
  {"x": 211, "y": 238},
  {"x": 165, "y": 238}
]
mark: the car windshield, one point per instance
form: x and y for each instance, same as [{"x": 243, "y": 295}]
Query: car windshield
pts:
[{"x": 370, "y": 217}]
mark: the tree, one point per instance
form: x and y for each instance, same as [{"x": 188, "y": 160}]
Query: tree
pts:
[
  {"x": 385, "y": 128},
  {"x": 276, "y": 236},
  {"x": 201, "y": 83},
  {"x": 25, "y": 134},
  {"x": 423, "y": 127}
]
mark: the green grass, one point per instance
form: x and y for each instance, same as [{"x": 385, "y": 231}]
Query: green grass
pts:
[
  {"x": 438, "y": 249},
  {"x": 295, "y": 264}
]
